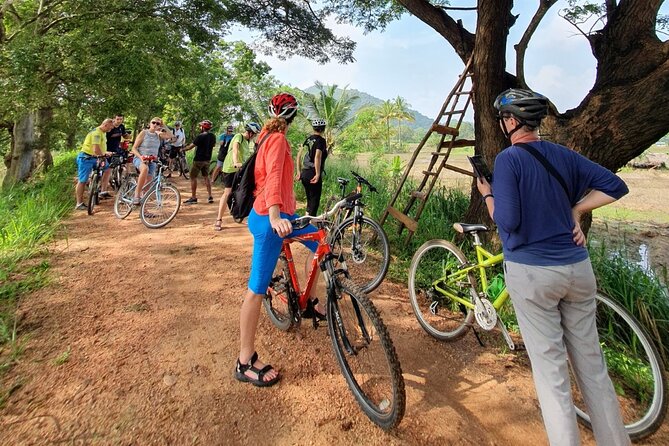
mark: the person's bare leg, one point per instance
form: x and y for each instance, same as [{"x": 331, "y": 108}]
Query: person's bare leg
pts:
[
  {"x": 79, "y": 192},
  {"x": 141, "y": 180},
  {"x": 223, "y": 203},
  {"x": 207, "y": 183},
  {"x": 193, "y": 186},
  {"x": 307, "y": 265},
  {"x": 248, "y": 324},
  {"x": 104, "y": 185}
]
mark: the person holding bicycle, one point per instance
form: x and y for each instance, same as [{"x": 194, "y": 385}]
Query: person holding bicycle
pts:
[
  {"x": 233, "y": 161},
  {"x": 269, "y": 222},
  {"x": 311, "y": 167},
  {"x": 95, "y": 145},
  {"x": 146, "y": 149},
  {"x": 179, "y": 141},
  {"x": 541, "y": 189},
  {"x": 204, "y": 144}
]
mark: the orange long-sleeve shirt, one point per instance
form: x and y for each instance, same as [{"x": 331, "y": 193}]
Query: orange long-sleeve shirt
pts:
[{"x": 274, "y": 175}]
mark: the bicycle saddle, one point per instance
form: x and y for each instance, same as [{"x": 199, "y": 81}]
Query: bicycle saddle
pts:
[
  {"x": 342, "y": 181},
  {"x": 464, "y": 228}
]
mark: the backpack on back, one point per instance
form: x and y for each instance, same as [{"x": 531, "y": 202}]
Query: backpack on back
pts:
[{"x": 240, "y": 201}]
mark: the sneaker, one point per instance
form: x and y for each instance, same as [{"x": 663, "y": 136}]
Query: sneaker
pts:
[
  {"x": 210, "y": 200},
  {"x": 104, "y": 194},
  {"x": 136, "y": 201},
  {"x": 191, "y": 200},
  {"x": 81, "y": 207}
]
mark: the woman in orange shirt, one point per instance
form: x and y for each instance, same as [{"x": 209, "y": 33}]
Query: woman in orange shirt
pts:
[{"x": 269, "y": 222}]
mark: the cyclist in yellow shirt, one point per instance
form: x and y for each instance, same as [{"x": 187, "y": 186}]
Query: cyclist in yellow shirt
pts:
[{"x": 95, "y": 144}]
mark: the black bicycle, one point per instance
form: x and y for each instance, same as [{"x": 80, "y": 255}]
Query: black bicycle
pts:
[
  {"x": 360, "y": 240},
  {"x": 94, "y": 183},
  {"x": 117, "y": 164},
  {"x": 178, "y": 165}
]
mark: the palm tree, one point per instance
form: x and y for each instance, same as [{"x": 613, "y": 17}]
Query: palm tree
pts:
[
  {"x": 334, "y": 105},
  {"x": 387, "y": 111},
  {"x": 402, "y": 113}
]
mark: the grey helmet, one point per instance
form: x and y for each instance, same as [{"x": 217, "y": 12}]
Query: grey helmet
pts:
[
  {"x": 529, "y": 107},
  {"x": 252, "y": 127},
  {"x": 318, "y": 122}
]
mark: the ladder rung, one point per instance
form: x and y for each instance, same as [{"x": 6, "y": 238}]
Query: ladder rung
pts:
[
  {"x": 463, "y": 92},
  {"x": 439, "y": 153},
  {"x": 454, "y": 112},
  {"x": 409, "y": 222},
  {"x": 443, "y": 130},
  {"x": 455, "y": 143},
  {"x": 421, "y": 195},
  {"x": 458, "y": 169},
  {"x": 427, "y": 172}
]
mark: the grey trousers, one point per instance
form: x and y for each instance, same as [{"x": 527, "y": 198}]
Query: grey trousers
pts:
[{"x": 555, "y": 306}]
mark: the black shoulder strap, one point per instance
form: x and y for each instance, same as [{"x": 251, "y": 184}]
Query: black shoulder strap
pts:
[
  {"x": 549, "y": 167},
  {"x": 262, "y": 141}
]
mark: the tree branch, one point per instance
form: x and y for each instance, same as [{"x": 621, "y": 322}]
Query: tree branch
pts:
[
  {"x": 521, "y": 46},
  {"x": 459, "y": 38}
]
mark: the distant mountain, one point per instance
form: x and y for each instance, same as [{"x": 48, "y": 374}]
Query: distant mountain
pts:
[{"x": 364, "y": 99}]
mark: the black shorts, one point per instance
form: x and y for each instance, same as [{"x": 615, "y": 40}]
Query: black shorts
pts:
[{"x": 228, "y": 178}]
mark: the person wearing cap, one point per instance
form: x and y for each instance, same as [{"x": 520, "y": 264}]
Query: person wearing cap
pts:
[
  {"x": 541, "y": 189},
  {"x": 311, "y": 166},
  {"x": 204, "y": 144},
  {"x": 238, "y": 153},
  {"x": 224, "y": 144}
]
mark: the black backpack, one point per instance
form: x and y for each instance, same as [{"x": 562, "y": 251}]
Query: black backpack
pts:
[{"x": 241, "y": 199}]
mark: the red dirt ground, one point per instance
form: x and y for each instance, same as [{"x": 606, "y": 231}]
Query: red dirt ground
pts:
[{"x": 149, "y": 321}]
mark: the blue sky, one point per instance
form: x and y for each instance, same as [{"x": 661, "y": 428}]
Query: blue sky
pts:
[{"x": 411, "y": 60}]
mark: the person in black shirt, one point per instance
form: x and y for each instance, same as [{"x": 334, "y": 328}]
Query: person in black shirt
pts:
[
  {"x": 115, "y": 134},
  {"x": 204, "y": 143},
  {"x": 311, "y": 165}
]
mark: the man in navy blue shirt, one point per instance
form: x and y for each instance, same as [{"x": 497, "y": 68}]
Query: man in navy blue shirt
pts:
[{"x": 548, "y": 273}]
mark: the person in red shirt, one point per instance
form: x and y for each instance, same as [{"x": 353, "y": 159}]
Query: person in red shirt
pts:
[{"x": 273, "y": 209}]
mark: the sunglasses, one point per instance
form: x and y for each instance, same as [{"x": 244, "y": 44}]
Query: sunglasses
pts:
[{"x": 156, "y": 123}]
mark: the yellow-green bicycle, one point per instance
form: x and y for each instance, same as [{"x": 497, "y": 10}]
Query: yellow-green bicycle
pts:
[{"x": 448, "y": 293}]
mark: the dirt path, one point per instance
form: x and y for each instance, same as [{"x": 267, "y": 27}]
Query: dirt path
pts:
[{"x": 134, "y": 343}]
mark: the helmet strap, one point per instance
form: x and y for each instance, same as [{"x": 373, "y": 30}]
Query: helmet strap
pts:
[{"x": 507, "y": 133}]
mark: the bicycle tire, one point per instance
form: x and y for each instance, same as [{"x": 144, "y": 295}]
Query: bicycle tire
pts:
[
  {"x": 183, "y": 167},
  {"x": 627, "y": 346},
  {"x": 123, "y": 200},
  {"x": 277, "y": 300},
  {"x": 160, "y": 206},
  {"x": 367, "y": 260},
  {"x": 93, "y": 190},
  {"x": 365, "y": 354},
  {"x": 440, "y": 316}
]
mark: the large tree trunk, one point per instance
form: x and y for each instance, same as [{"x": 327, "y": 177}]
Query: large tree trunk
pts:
[
  {"x": 43, "y": 160},
  {"x": 489, "y": 66},
  {"x": 23, "y": 143}
]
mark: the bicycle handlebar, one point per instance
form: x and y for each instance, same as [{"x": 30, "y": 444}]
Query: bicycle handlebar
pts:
[
  {"x": 362, "y": 180},
  {"x": 303, "y": 222}
]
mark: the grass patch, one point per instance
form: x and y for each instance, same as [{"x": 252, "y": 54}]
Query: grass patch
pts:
[
  {"x": 618, "y": 213},
  {"x": 30, "y": 217},
  {"x": 62, "y": 358}
]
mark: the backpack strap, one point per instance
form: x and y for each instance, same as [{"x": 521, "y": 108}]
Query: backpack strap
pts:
[{"x": 549, "y": 167}]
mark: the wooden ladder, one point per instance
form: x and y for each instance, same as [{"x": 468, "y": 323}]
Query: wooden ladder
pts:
[{"x": 447, "y": 125}]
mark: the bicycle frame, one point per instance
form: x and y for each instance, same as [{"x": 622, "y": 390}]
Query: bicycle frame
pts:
[
  {"x": 322, "y": 251},
  {"x": 485, "y": 259}
]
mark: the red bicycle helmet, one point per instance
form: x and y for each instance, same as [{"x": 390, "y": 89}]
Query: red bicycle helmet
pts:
[
  {"x": 283, "y": 105},
  {"x": 206, "y": 125}
]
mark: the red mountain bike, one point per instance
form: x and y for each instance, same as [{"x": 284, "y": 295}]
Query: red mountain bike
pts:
[{"x": 360, "y": 339}]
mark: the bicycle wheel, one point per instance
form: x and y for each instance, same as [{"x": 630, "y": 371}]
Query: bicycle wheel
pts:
[
  {"x": 160, "y": 206},
  {"x": 277, "y": 300},
  {"x": 635, "y": 367},
  {"x": 365, "y": 354},
  {"x": 439, "y": 315},
  {"x": 365, "y": 249},
  {"x": 93, "y": 191},
  {"x": 183, "y": 166},
  {"x": 124, "y": 196}
]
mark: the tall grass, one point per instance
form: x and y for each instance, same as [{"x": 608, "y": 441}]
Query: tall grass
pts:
[
  {"x": 644, "y": 295},
  {"x": 30, "y": 215}
]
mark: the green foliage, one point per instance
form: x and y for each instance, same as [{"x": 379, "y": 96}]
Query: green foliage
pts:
[
  {"x": 333, "y": 105},
  {"x": 364, "y": 134},
  {"x": 642, "y": 293},
  {"x": 30, "y": 216}
]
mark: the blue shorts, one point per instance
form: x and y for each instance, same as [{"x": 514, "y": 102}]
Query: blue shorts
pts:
[
  {"x": 267, "y": 247},
  {"x": 152, "y": 166},
  {"x": 85, "y": 165}
]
